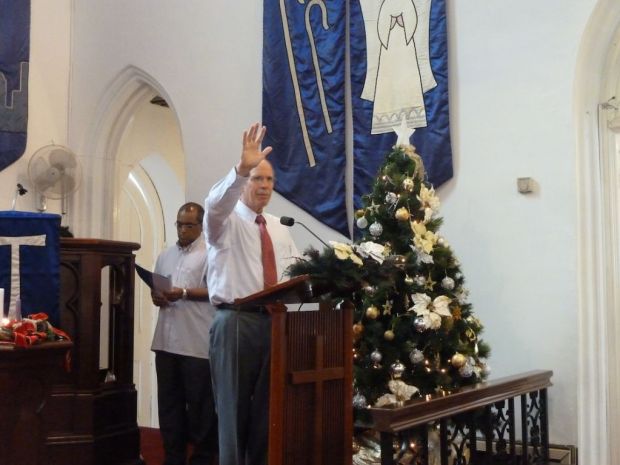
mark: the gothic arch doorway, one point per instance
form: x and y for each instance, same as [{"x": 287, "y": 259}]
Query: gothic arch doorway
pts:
[
  {"x": 137, "y": 153},
  {"x": 598, "y": 183}
]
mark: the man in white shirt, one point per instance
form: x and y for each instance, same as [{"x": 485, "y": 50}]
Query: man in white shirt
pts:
[
  {"x": 239, "y": 266},
  {"x": 180, "y": 343}
]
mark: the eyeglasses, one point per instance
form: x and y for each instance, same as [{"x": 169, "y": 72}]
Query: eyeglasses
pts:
[{"x": 189, "y": 226}]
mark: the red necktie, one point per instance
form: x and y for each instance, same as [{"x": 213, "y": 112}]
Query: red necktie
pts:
[{"x": 270, "y": 275}]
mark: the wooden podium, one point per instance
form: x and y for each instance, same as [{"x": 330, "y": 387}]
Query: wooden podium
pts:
[
  {"x": 310, "y": 410},
  {"x": 90, "y": 416}
]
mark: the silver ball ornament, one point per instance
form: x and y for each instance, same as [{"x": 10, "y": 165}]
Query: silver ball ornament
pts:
[
  {"x": 420, "y": 280},
  {"x": 376, "y": 229},
  {"x": 376, "y": 356},
  {"x": 359, "y": 401},
  {"x": 416, "y": 356},
  {"x": 447, "y": 283},
  {"x": 420, "y": 324},
  {"x": 397, "y": 369},
  {"x": 391, "y": 198},
  {"x": 370, "y": 290},
  {"x": 485, "y": 369},
  {"x": 466, "y": 370},
  {"x": 362, "y": 222}
]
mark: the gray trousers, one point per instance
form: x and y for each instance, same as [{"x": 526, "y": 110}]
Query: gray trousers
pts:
[{"x": 240, "y": 363}]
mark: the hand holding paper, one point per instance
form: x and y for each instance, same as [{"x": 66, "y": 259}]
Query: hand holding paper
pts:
[{"x": 155, "y": 281}]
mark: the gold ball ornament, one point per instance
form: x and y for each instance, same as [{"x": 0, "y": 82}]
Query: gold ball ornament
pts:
[
  {"x": 358, "y": 329},
  {"x": 372, "y": 312},
  {"x": 389, "y": 335},
  {"x": 408, "y": 184},
  {"x": 402, "y": 214},
  {"x": 359, "y": 213},
  {"x": 458, "y": 360}
]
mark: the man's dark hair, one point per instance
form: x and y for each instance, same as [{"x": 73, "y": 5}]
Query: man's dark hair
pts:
[{"x": 189, "y": 206}]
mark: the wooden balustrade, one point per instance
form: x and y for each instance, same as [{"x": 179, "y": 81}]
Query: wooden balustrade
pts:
[{"x": 480, "y": 414}]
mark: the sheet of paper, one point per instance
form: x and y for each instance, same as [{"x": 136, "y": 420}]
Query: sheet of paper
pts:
[{"x": 154, "y": 280}]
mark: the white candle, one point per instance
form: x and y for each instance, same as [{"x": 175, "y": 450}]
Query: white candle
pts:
[{"x": 1, "y": 303}]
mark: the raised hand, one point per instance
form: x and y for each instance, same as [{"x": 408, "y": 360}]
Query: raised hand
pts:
[{"x": 251, "y": 153}]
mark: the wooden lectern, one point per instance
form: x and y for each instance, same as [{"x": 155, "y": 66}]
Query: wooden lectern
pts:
[
  {"x": 90, "y": 415},
  {"x": 310, "y": 410}
]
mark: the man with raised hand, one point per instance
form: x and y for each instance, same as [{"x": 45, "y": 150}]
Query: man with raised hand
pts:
[{"x": 248, "y": 251}]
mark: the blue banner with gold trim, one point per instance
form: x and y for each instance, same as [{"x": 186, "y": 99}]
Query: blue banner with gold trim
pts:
[
  {"x": 14, "y": 63},
  {"x": 304, "y": 104}
]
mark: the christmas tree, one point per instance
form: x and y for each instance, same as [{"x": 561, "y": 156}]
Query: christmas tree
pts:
[{"x": 414, "y": 330}]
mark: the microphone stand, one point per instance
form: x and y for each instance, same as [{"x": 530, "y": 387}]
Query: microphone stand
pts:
[{"x": 288, "y": 221}]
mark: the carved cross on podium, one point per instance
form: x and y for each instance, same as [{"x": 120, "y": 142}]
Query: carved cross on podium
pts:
[{"x": 319, "y": 375}]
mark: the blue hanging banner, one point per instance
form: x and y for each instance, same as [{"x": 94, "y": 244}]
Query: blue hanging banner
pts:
[
  {"x": 14, "y": 61},
  {"x": 399, "y": 75},
  {"x": 30, "y": 262},
  {"x": 304, "y": 104}
]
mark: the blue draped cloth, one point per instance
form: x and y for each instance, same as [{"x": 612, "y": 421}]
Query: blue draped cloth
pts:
[
  {"x": 398, "y": 71},
  {"x": 30, "y": 257},
  {"x": 14, "y": 62},
  {"x": 304, "y": 104}
]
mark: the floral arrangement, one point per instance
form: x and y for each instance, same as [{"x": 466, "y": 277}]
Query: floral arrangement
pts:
[{"x": 29, "y": 331}]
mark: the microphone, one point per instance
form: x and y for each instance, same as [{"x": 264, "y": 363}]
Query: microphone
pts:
[{"x": 288, "y": 221}]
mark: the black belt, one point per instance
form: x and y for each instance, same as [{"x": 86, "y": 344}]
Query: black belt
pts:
[{"x": 262, "y": 309}]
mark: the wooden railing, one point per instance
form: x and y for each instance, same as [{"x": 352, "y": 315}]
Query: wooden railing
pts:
[{"x": 476, "y": 425}]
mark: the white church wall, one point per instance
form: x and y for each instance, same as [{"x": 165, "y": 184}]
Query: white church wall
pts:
[
  {"x": 512, "y": 69},
  {"x": 50, "y": 38},
  {"x": 512, "y": 72}
]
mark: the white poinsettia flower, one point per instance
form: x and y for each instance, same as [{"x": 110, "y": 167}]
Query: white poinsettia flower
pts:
[
  {"x": 400, "y": 392},
  {"x": 433, "y": 320},
  {"x": 428, "y": 214},
  {"x": 372, "y": 250},
  {"x": 462, "y": 295},
  {"x": 422, "y": 256},
  {"x": 424, "y": 306},
  {"x": 428, "y": 199},
  {"x": 423, "y": 239},
  {"x": 342, "y": 250},
  {"x": 345, "y": 251}
]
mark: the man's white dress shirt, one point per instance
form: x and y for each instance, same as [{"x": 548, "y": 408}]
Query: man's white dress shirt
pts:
[{"x": 235, "y": 265}]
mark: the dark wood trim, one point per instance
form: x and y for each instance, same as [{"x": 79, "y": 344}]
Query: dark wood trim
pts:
[
  {"x": 422, "y": 411},
  {"x": 97, "y": 245}
]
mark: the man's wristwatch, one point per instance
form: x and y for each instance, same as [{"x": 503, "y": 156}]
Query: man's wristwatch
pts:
[{"x": 184, "y": 295}]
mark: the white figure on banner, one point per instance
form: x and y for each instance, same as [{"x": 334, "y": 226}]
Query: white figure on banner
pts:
[{"x": 398, "y": 69}]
